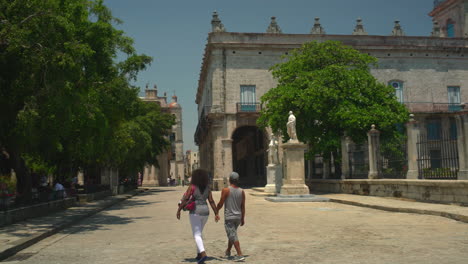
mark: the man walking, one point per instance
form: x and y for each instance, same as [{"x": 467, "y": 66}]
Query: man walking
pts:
[{"x": 234, "y": 214}]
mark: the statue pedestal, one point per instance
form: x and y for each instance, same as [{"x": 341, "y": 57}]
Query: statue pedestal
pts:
[
  {"x": 294, "y": 174},
  {"x": 274, "y": 179}
]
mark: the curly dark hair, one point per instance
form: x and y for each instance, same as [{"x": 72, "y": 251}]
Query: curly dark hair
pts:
[{"x": 200, "y": 179}]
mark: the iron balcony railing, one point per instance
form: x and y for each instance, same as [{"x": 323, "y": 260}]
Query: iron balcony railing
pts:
[
  {"x": 429, "y": 107},
  {"x": 248, "y": 107}
]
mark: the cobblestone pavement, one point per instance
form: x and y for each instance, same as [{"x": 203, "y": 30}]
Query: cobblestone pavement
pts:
[{"x": 144, "y": 229}]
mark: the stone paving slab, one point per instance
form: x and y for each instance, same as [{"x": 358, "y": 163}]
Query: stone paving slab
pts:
[
  {"x": 18, "y": 236},
  {"x": 456, "y": 212},
  {"x": 297, "y": 198},
  {"x": 144, "y": 229},
  {"x": 263, "y": 217}
]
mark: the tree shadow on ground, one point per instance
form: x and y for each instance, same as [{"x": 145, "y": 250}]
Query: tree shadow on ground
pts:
[
  {"x": 102, "y": 221},
  {"x": 130, "y": 203},
  {"x": 155, "y": 191}
]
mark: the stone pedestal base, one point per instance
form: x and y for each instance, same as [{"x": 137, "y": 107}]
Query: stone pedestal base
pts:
[
  {"x": 463, "y": 175},
  {"x": 297, "y": 198},
  {"x": 150, "y": 184},
  {"x": 274, "y": 179},
  {"x": 294, "y": 189},
  {"x": 294, "y": 180},
  {"x": 412, "y": 174},
  {"x": 373, "y": 175}
]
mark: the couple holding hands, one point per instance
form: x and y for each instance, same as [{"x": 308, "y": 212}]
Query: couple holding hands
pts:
[{"x": 233, "y": 199}]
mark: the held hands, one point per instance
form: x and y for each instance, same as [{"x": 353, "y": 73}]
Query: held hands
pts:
[{"x": 217, "y": 218}]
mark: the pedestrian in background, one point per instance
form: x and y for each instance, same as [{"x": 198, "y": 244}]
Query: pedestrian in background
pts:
[
  {"x": 201, "y": 192},
  {"x": 233, "y": 199}
]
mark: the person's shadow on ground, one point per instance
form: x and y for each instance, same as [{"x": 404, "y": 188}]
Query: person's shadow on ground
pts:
[{"x": 193, "y": 260}]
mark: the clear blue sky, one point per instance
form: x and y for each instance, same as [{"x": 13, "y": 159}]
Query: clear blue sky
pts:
[{"x": 174, "y": 32}]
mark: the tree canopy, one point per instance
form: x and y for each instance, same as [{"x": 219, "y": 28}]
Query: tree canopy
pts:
[
  {"x": 332, "y": 93},
  {"x": 66, "y": 101}
]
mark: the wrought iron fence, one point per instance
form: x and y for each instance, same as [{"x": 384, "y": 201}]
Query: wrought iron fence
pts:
[
  {"x": 393, "y": 162},
  {"x": 438, "y": 158},
  {"x": 249, "y": 107},
  {"x": 315, "y": 165},
  {"x": 358, "y": 161},
  {"x": 431, "y": 107}
]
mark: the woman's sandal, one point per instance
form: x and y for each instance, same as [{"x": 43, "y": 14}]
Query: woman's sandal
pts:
[{"x": 202, "y": 260}]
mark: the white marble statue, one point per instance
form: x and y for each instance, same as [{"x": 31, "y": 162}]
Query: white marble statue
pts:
[
  {"x": 273, "y": 150},
  {"x": 292, "y": 127}
]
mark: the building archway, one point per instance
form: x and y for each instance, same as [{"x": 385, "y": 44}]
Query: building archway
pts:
[{"x": 248, "y": 155}]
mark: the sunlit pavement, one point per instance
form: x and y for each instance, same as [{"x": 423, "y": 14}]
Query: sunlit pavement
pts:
[{"x": 144, "y": 229}]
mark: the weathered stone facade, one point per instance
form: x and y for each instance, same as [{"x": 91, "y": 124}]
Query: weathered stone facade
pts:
[
  {"x": 233, "y": 63},
  {"x": 171, "y": 163}
]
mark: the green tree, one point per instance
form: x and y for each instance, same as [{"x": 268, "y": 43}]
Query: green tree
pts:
[
  {"x": 332, "y": 93},
  {"x": 64, "y": 98}
]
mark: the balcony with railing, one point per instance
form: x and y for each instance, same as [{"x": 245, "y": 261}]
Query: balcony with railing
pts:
[
  {"x": 249, "y": 107},
  {"x": 429, "y": 107}
]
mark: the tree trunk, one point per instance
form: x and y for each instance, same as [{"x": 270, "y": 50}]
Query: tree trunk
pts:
[
  {"x": 23, "y": 178},
  {"x": 337, "y": 163}
]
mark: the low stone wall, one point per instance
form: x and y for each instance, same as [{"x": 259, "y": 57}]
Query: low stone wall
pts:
[
  {"x": 23, "y": 213},
  {"x": 88, "y": 197},
  {"x": 441, "y": 191}
]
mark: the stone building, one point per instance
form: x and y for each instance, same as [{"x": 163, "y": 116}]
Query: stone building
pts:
[
  {"x": 450, "y": 18},
  {"x": 191, "y": 162},
  {"x": 429, "y": 74},
  {"x": 171, "y": 163}
]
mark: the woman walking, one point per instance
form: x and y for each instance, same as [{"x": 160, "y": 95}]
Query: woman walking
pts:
[{"x": 201, "y": 192}]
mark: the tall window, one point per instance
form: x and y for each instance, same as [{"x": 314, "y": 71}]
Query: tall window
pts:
[
  {"x": 453, "y": 128},
  {"x": 247, "y": 98},
  {"x": 450, "y": 29},
  {"x": 398, "y": 86},
  {"x": 434, "y": 129},
  {"x": 454, "y": 98}
]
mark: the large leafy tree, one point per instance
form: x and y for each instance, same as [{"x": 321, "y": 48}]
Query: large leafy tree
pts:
[
  {"x": 332, "y": 93},
  {"x": 64, "y": 98}
]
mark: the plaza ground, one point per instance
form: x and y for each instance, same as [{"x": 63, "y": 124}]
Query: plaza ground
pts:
[{"x": 144, "y": 229}]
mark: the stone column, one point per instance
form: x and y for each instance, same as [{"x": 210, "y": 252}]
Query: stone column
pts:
[
  {"x": 80, "y": 178},
  {"x": 373, "y": 137},
  {"x": 226, "y": 156},
  {"x": 412, "y": 132},
  {"x": 148, "y": 176},
  {"x": 163, "y": 161},
  {"x": 154, "y": 175},
  {"x": 105, "y": 176},
  {"x": 114, "y": 181},
  {"x": 462, "y": 142},
  {"x": 294, "y": 178},
  {"x": 325, "y": 168},
  {"x": 345, "y": 141},
  {"x": 218, "y": 167}
]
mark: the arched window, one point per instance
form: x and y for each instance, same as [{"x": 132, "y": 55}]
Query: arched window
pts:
[
  {"x": 450, "y": 28},
  {"x": 398, "y": 86}
]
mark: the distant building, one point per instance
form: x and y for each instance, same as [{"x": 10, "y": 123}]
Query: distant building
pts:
[
  {"x": 451, "y": 18},
  {"x": 429, "y": 74},
  {"x": 171, "y": 163},
  {"x": 191, "y": 162}
]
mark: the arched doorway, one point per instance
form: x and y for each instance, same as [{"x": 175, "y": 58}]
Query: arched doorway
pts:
[{"x": 248, "y": 155}]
